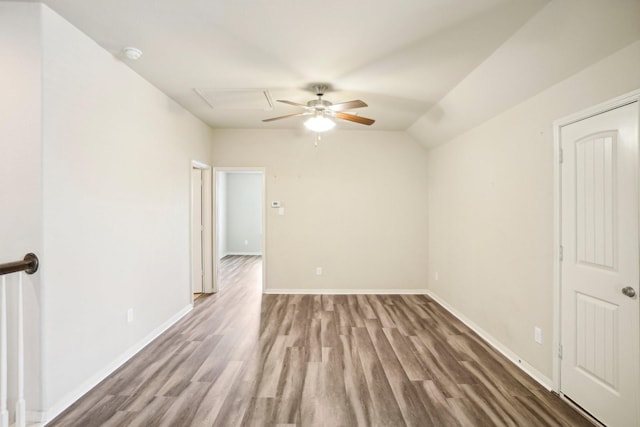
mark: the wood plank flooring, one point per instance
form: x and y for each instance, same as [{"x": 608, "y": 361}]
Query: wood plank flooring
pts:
[{"x": 242, "y": 358}]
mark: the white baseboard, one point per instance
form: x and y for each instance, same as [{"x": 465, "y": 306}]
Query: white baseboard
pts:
[
  {"x": 39, "y": 417},
  {"x": 243, "y": 253},
  {"x": 80, "y": 391},
  {"x": 517, "y": 360},
  {"x": 347, "y": 291},
  {"x": 35, "y": 418}
]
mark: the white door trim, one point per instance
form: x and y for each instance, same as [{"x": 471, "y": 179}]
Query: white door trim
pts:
[
  {"x": 557, "y": 126},
  {"x": 207, "y": 246},
  {"x": 263, "y": 214}
]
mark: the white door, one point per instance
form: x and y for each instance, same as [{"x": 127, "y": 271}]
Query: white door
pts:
[
  {"x": 196, "y": 230},
  {"x": 600, "y": 334}
]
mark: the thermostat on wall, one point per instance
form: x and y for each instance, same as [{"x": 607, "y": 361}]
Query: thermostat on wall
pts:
[{"x": 275, "y": 204}]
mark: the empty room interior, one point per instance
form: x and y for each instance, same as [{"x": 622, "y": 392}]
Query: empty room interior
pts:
[{"x": 336, "y": 213}]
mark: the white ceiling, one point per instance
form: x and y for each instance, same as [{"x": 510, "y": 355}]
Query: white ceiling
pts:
[{"x": 401, "y": 57}]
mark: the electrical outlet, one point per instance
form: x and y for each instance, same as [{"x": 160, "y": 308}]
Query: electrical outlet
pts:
[
  {"x": 537, "y": 335},
  {"x": 318, "y": 271},
  {"x": 246, "y": 242}
]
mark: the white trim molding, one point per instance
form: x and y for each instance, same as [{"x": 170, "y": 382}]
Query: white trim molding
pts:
[
  {"x": 242, "y": 254},
  {"x": 207, "y": 218},
  {"x": 216, "y": 256},
  {"x": 346, "y": 291},
  {"x": 542, "y": 379},
  {"x": 557, "y": 197},
  {"x": 85, "y": 387},
  {"x": 200, "y": 165},
  {"x": 35, "y": 418}
]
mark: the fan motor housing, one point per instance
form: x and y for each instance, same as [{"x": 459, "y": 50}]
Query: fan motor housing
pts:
[{"x": 319, "y": 104}]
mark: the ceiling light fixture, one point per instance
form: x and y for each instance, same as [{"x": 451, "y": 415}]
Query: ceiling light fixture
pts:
[
  {"x": 319, "y": 123},
  {"x": 132, "y": 53},
  {"x": 324, "y": 113}
]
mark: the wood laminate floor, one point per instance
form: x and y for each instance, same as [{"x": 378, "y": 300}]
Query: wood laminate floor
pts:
[{"x": 242, "y": 358}]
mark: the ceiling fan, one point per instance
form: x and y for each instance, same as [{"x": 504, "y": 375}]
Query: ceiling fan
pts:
[{"x": 322, "y": 111}]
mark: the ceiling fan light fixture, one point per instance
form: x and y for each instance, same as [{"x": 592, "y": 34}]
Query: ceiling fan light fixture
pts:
[
  {"x": 319, "y": 123},
  {"x": 323, "y": 112}
]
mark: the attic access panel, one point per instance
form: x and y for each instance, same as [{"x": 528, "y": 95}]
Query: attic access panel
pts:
[{"x": 236, "y": 99}]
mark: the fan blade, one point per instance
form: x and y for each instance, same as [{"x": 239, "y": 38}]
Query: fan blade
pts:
[
  {"x": 357, "y": 119},
  {"x": 295, "y": 104},
  {"x": 286, "y": 117},
  {"x": 348, "y": 105}
]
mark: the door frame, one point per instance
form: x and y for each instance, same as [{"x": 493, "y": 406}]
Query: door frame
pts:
[
  {"x": 557, "y": 200},
  {"x": 263, "y": 215},
  {"x": 207, "y": 234}
]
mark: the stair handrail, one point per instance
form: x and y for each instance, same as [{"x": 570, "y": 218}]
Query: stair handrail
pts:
[{"x": 29, "y": 264}]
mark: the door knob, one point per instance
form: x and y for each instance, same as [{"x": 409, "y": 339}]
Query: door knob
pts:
[{"x": 629, "y": 291}]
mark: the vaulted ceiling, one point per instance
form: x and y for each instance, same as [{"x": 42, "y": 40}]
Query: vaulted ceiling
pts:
[{"x": 432, "y": 67}]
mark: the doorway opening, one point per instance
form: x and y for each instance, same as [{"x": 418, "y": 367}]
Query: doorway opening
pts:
[
  {"x": 239, "y": 224},
  {"x": 201, "y": 231}
]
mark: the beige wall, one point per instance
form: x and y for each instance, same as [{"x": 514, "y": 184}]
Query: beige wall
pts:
[
  {"x": 491, "y": 210},
  {"x": 116, "y": 191},
  {"x": 244, "y": 206},
  {"x": 355, "y": 206},
  {"x": 21, "y": 179},
  {"x": 113, "y": 194}
]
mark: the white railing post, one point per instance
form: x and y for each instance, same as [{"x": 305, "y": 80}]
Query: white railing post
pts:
[
  {"x": 20, "y": 404},
  {"x": 29, "y": 264},
  {"x": 4, "y": 413}
]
